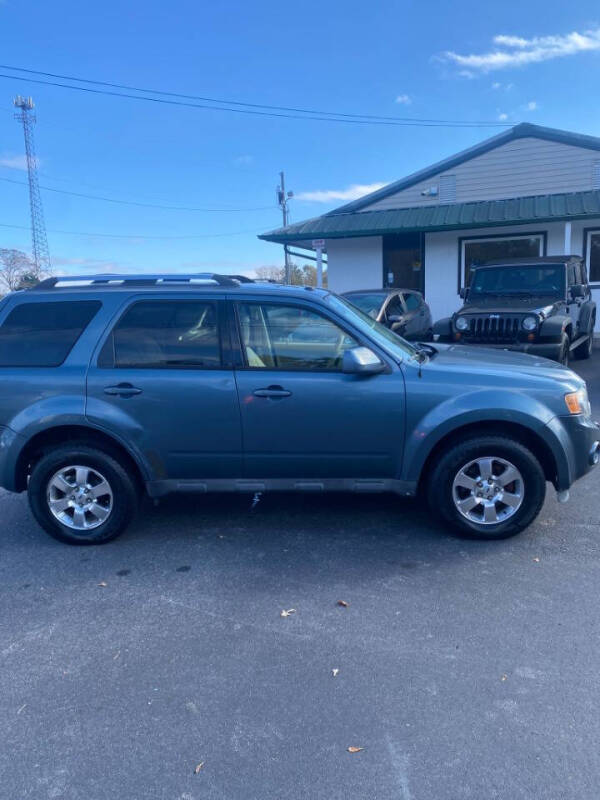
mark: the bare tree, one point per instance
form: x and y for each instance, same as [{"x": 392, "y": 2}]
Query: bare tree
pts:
[
  {"x": 270, "y": 274},
  {"x": 17, "y": 270}
]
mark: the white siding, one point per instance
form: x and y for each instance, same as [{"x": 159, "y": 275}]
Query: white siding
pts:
[
  {"x": 520, "y": 168},
  {"x": 354, "y": 263}
]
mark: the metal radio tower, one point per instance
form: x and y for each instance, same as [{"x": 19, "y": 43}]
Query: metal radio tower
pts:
[{"x": 41, "y": 254}]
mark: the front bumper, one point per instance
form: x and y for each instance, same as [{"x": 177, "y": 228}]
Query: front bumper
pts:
[{"x": 578, "y": 437}]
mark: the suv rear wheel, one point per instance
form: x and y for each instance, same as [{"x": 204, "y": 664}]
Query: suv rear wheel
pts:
[
  {"x": 81, "y": 495},
  {"x": 487, "y": 487}
]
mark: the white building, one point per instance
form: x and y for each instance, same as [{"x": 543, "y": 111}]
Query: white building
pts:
[{"x": 528, "y": 191}]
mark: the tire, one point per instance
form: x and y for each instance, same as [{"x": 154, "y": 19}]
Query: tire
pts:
[
  {"x": 586, "y": 348},
  {"x": 563, "y": 352},
  {"x": 97, "y": 514},
  {"x": 526, "y": 493}
]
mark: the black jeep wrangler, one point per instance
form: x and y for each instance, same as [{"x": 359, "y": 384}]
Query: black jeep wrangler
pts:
[{"x": 541, "y": 306}]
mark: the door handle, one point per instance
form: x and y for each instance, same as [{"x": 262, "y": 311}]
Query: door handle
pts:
[
  {"x": 272, "y": 391},
  {"x": 122, "y": 390}
]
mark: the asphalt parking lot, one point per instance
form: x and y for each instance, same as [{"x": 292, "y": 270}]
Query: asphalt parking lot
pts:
[{"x": 466, "y": 670}]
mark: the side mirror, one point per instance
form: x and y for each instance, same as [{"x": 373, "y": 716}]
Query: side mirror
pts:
[
  {"x": 463, "y": 292},
  {"x": 578, "y": 290},
  {"x": 361, "y": 361}
]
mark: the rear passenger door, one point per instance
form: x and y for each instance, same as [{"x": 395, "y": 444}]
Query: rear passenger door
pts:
[{"x": 162, "y": 380}]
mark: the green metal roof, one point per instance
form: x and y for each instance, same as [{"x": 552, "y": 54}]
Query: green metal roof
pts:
[{"x": 449, "y": 216}]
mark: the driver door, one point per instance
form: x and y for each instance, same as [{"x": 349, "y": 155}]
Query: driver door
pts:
[{"x": 302, "y": 417}]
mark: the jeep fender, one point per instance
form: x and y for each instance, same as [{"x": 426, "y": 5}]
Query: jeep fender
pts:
[
  {"x": 553, "y": 328},
  {"x": 478, "y": 408},
  {"x": 443, "y": 329}
]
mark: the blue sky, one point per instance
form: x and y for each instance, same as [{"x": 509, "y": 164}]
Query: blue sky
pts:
[{"x": 506, "y": 62}]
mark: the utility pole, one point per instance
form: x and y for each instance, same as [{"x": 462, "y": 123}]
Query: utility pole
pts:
[
  {"x": 39, "y": 240},
  {"x": 282, "y": 201}
]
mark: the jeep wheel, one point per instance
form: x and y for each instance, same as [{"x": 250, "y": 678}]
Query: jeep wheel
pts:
[
  {"x": 563, "y": 353},
  {"x": 488, "y": 487},
  {"x": 81, "y": 495},
  {"x": 586, "y": 348}
]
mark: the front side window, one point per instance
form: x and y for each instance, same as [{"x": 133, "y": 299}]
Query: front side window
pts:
[
  {"x": 394, "y": 307},
  {"x": 276, "y": 336},
  {"x": 479, "y": 251},
  {"x": 165, "y": 334},
  {"x": 43, "y": 334},
  {"x": 369, "y": 302},
  {"x": 412, "y": 301},
  {"x": 593, "y": 256}
]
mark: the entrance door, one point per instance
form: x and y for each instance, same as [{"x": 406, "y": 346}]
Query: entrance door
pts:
[
  {"x": 403, "y": 261},
  {"x": 160, "y": 382},
  {"x": 302, "y": 417}
]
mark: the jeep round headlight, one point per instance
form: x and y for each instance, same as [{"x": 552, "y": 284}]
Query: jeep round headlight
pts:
[
  {"x": 462, "y": 324},
  {"x": 530, "y": 323}
]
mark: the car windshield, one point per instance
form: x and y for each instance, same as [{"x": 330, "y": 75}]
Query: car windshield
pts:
[
  {"x": 369, "y": 302},
  {"x": 384, "y": 337},
  {"x": 546, "y": 279}
]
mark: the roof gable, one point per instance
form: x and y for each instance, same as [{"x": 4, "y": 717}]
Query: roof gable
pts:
[{"x": 521, "y": 131}]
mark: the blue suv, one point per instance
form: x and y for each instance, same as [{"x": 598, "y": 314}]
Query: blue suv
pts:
[{"x": 118, "y": 386}]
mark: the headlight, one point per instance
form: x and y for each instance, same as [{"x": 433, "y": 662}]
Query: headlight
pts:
[
  {"x": 462, "y": 324},
  {"x": 530, "y": 323},
  {"x": 578, "y": 403}
]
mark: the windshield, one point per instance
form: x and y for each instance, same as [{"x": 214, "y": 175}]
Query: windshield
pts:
[
  {"x": 369, "y": 302},
  {"x": 385, "y": 338},
  {"x": 547, "y": 279}
]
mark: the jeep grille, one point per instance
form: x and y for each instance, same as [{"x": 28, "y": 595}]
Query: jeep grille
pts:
[{"x": 489, "y": 328}]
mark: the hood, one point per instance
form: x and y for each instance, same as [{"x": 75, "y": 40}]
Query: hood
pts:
[
  {"x": 520, "y": 304},
  {"x": 508, "y": 366}
]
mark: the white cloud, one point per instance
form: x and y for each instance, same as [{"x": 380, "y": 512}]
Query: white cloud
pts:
[
  {"x": 404, "y": 99},
  {"x": 329, "y": 195},
  {"x": 243, "y": 161},
  {"x": 516, "y": 51},
  {"x": 503, "y": 117},
  {"x": 532, "y": 106},
  {"x": 496, "y": 85},
  {"x": 14, "y": 162}
]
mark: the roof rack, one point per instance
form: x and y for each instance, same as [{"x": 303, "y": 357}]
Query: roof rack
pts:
[{"x": 110, "y": 280}]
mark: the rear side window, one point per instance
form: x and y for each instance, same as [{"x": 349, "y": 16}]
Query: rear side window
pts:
[
  {"x": 164, "y": 334},
  {"x": 43, "y": 334}
]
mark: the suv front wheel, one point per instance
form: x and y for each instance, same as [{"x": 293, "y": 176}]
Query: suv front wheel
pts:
[
  {"x": 81, "y": 495},
  {"x": 487, "y": 487}
]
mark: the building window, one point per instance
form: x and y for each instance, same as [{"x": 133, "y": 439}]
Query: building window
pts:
[
  {"x": 592, "y": 255},
  {"x": 475, "y": 251}
]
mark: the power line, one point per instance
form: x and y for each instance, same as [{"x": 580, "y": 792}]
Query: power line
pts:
[
  {"x": 303, "y": 115},
  {"x": 136, "y": 203},
  {"x": 238, "y": 103},
  {"x": 135, "y": 235}
]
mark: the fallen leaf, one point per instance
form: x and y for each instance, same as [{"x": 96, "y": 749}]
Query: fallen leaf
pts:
[
  {"x": 355, "y": 749},
  {"x": 287, "y": 613},
  {"x": 103, "y": 584},
  {"x": 334, "y": 672},
  {"x": 343, "y": 603},
  {"x": 198, "y": 767},
  {"x": 504, "y": 677},
  {"x": 536, "y": 559}
]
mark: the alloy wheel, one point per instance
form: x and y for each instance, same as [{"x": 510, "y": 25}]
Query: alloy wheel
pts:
[
  {"x": 488, "y": 490},
  {"x": 79, "y": 497}
]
